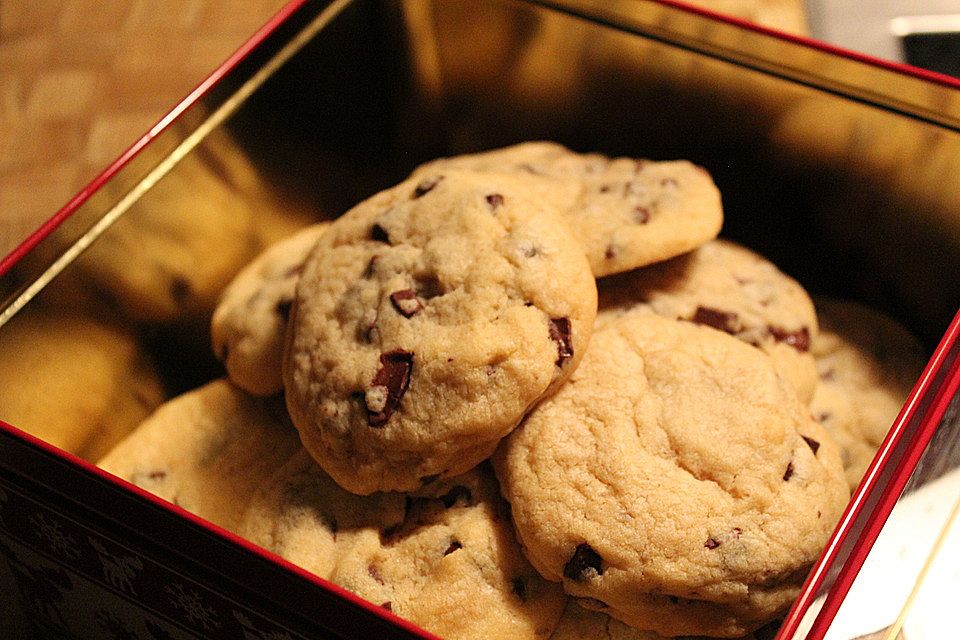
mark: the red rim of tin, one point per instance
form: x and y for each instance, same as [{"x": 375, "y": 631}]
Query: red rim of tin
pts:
[
  {"x": 890, "y": 65},
  {"x": 874, "y": 520},
  {"x": 888, "y": 494}
]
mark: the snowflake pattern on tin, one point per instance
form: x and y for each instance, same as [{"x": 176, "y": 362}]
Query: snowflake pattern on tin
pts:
[
  {"x": 193, "y": 607},
  {"x": 51, "y": 532}
]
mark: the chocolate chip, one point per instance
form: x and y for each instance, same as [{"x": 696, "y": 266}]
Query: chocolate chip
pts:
[
  {"x": 374, "y": 573},
  {"x": 711, "y": 543},
  {"x": 283, "y": 308},
  {"x": 427, "y": 287},
  {"x": 406, "y": 303},
  {"x": 799, "y": 340},
  {"x": 454, "y": 546},
  {"x": 494, "y": 200},
  {"x": 813, "y": 444},
  {"x": 610, "y": 253},
  {"x": 396, "y": 368},
  {"x": 426, "y": 186},
  {"x": 560, "y": 333},
  {"x": 736, "y": 531},
  {"x": 605, "y": 188},
  {"x": 180, "y": 289},
  {"x": 519, "y": 587},
  {"x": 789, "y": 472},
  {"x": 583, "y": 564},
  {"x": 387, "y": 605},
  {"x": 379, "y": 234},
  {"x": 822, "y": 417},
  {"x": 456, "y": 495},
  {"x": 723, "y": 320},
  {"x": 641, "y": 215}
]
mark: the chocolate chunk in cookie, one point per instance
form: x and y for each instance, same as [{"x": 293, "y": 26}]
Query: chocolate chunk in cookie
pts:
[{"x": 481, "y": 303}]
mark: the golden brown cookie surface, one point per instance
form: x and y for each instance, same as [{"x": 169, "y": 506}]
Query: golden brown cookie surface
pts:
[
  {"x": 732, "y": 289},
  {"x": 676, "y": 481},
  {"x": 207, "y": 450},
  {"x": 427, "y": 321},
  {"x": 867, "y": 365},
  {"x": 625, "y": 212},
  {"x": 444, "y": 557},
  {"x": 249, "y": 324}
]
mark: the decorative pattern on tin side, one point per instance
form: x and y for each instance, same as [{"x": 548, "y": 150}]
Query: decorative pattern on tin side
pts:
[{"x": 75, "y": 582}]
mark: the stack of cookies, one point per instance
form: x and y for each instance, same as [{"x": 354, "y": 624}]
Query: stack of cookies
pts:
[{"x": 430, "y": 405}]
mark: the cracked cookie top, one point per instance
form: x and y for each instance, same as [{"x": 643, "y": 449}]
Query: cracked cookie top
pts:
[
  {"x": 675, "y": 482},
  {"x": 207, "y": 450},
  {"x": 625, "y": 212},
  {"x": 444, "y": 557},
  {"x": 427, "y": 321},
  {"x": 732, "y": 289}
]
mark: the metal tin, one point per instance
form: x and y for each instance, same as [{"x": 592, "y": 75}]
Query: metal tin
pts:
[{"x": 840, "y": 168}]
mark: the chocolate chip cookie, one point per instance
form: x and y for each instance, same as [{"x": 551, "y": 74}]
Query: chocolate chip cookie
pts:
[
  {"x": 427, "y": 321},
  {"x": 626, "y": 212},
  {"x": 444, "y": 557},
  {"x": 867, "y": 365},
  {"x": 728, "y": 287},
  {"x": 207, "y": 451},
  {"x": 249, "y": 324},
  {"x": 302, "y": 515},
  {"x": 675, "y": 482}
]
